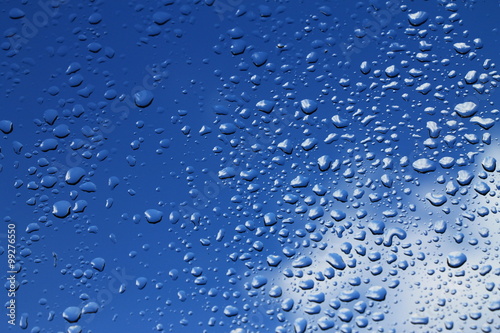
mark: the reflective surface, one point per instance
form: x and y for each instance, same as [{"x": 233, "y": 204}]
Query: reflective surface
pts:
[{"x": 249, "y": 166}]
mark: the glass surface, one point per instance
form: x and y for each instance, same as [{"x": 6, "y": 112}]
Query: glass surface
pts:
[{"x": 249, "y": 166}]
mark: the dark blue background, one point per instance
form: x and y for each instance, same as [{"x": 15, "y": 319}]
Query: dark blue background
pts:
[{"x": 163, "y": 162}]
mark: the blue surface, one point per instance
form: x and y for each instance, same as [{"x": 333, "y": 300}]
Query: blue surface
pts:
[{"x": 250, "y": 166}]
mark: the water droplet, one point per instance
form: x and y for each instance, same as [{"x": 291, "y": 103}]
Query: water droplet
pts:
[
  {"x": 308, "y": 106},
  {"x": 143, "y": 98},
  {"x": 466, "y": 109},
  {"x": 72, "y": 314},
  {"x": 98, "y": 264},
  {"x": 376, "y": 293},
  {"x": 61, "y": 209},
  {"x": 6, "y": 126},
  {"x": 153, "y": 215},
  {"x": 418, "y": 18},
  {"x": 456, "y": 259},
  {"x": 424, "y": 165}
]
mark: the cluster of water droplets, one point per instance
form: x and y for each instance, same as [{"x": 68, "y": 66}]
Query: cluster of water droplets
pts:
[{"x": 295, "y": 171}]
